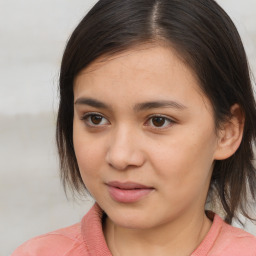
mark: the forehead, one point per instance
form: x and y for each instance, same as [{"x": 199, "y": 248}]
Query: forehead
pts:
[
  {"x": 148, "y": 58},
  {"x": 150, "y": 71}
]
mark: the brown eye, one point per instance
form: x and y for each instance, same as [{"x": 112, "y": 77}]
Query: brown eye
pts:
[
  {"x": 96, "y": 119},
  {"x": 158, "y": 121}
]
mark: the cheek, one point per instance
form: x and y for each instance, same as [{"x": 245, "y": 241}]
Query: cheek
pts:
[
  {"x": 89, "y": 160},
  {"x": 183, "y": 175},
  {"x": 185, "y": 160},
  {"x": 89, "y": 153}
]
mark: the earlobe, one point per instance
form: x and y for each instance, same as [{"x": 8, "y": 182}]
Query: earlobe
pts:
[{"x": 231, "y": 134}]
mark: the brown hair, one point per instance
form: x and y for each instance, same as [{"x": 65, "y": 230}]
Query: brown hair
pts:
[{"x": 206, "y": 38}]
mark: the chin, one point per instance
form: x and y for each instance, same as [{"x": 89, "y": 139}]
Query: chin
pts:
[{"x": 131, "y": 218}]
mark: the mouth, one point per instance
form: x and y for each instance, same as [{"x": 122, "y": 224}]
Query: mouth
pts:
[{"x": 128, "y": 192}]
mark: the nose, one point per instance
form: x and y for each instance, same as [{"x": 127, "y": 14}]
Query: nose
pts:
[{"x": 124, "y": 150}]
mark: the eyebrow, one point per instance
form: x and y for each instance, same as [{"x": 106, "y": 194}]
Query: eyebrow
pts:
[
  {"x": 137, "y": 108},
  {"x": 92, "y": 102},
  {"x": 159, "y": 104}
]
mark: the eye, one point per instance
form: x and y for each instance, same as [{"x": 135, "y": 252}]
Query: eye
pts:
[
  {"x": 159, "y": 122},
  {"x": 94, "y": 119}
]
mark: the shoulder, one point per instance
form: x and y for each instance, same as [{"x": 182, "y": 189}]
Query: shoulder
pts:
[
  {"x": 66, "y": 241},
  {"x": 234, "y": 241},
  {"x": 238, "y": 240},
  {"x": 84, "y": 238},
  {"x": 226, "y": 240}
]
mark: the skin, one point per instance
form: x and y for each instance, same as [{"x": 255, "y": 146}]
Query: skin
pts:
[{"x": 125, "y": 144}]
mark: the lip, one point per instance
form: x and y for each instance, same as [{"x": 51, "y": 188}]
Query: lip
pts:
[{"x": 128, "y": 192}]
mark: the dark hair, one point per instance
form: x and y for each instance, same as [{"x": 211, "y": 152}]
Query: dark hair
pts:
[{"x": 206, "y": 39}]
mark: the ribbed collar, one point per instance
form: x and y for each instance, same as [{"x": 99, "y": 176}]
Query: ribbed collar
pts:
[
  {"x": 95, "y": 242},
  {"x": 93, "y": 234},
  {"x": 204, "y": 248}
]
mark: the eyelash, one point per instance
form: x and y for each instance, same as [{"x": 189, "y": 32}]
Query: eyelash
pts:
[
  {"x": 87, "y": 120},
  {"x": 165, "y": 119}
]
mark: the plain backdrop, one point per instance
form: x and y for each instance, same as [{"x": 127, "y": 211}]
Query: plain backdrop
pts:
[{"x": 33, "y": 34}]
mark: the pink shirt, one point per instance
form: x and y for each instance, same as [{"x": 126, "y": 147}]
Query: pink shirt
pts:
[{"x": 87, "y": 238}]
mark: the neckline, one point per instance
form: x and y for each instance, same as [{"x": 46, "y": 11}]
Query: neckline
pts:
[{"x": 94, "y": 240}]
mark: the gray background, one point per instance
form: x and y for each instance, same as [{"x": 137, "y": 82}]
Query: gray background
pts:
[{"x": 33, "y": 34}]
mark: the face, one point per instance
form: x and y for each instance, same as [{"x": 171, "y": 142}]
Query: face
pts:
[{"x": 144, "y": 137}]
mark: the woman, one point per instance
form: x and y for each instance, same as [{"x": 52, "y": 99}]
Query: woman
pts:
[{"x": 156, "y": 118}]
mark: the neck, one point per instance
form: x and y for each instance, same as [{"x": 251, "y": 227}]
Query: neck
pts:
[{"x": 177, "y": 238}]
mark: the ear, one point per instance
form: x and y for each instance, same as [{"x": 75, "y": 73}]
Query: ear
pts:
[{"x": 231, "y": 134}]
